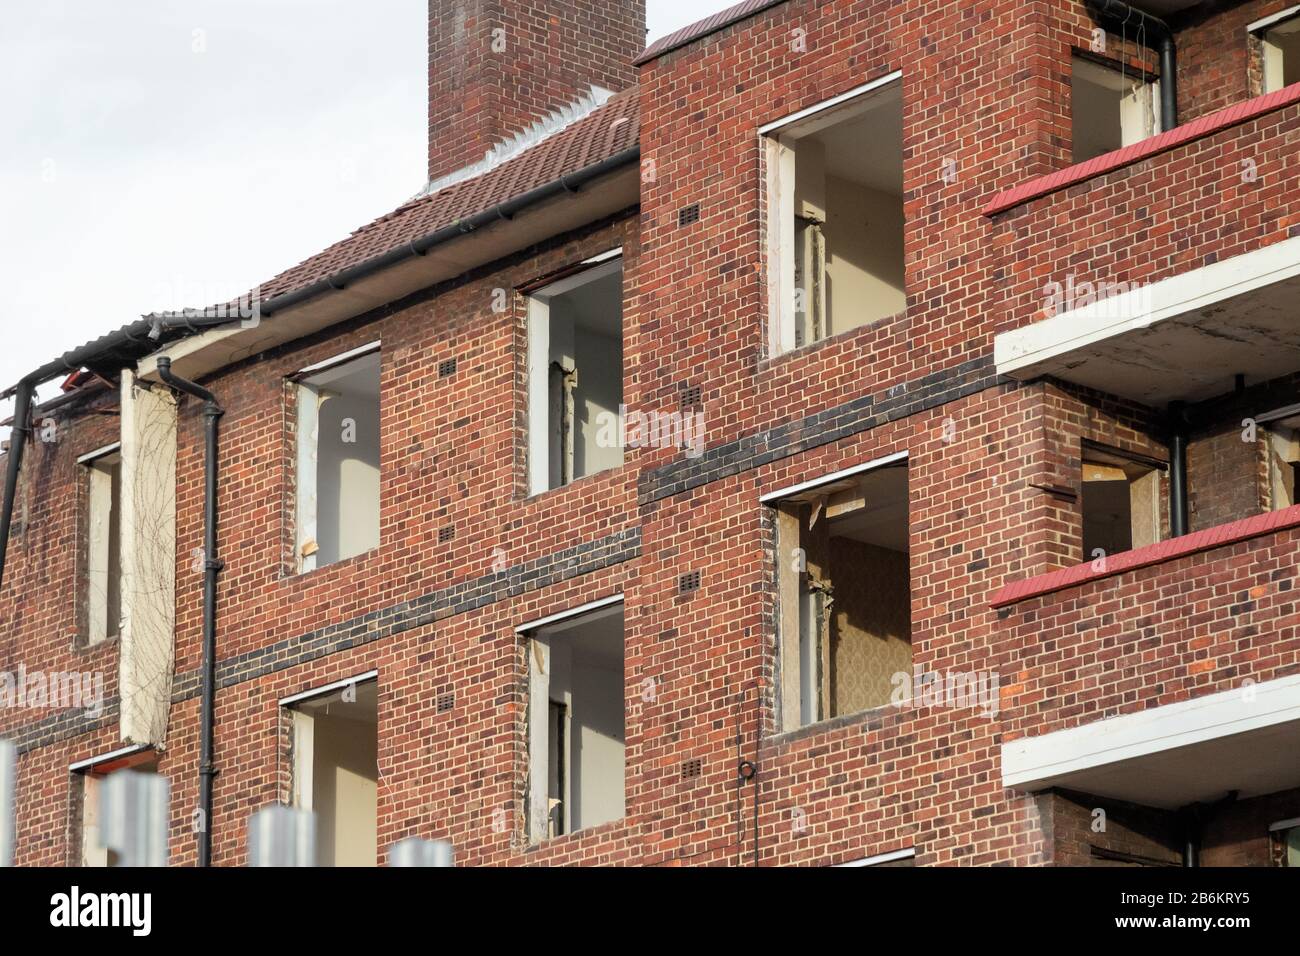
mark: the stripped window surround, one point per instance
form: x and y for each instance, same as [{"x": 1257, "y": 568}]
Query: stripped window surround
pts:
[{"x": 543, "y": 129}]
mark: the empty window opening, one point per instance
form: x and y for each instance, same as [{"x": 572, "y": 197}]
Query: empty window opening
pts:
[
  {"x": 1111, "y": 108},
  {"x": 93, "y": 851},
  {"x": 575, "y": 714},
  {"x": 1120, "y": 502},
  {"x": 1285, "y": 835},
  {"x": 835, "y": 217},
  {"x": 336, "y": 772},
  {"x": 103, "y": 564},
  {"x": 1280, "y": 47},
  {"x": 575, "y": 376},
  {"x": 338, "y": 462},
  {"x": 1283, "y": 460},
  {"x": 844, "y": 596}
]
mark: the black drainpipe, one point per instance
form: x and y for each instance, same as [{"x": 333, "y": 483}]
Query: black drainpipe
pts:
[
  {"x": 212, "y": 413},
  {"x": 1177, "y": 470},
  {"x": 1194, "y": 818},
  {"x": 1156, "y": 35},
  {"x": 17, "y": 445}
]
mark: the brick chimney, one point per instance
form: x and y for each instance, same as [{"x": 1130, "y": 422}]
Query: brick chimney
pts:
[{"x": 498, "y": 66}]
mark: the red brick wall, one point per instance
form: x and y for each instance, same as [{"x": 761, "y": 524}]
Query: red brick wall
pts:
[
  {"x": 498, "y": 66},
  {"x": 1140, "y": 224},
  {"x": 1218, "y": 62},
  {"x": 1225, "y": 478},
  {"x": 41, "y": 634},
  {"x": 1238, "y": 834},
  {"x": 1079, "y": 822},
  {"x": 1155, "y": 650}
]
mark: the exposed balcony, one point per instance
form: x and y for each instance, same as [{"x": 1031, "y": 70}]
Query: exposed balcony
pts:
[
  {"x": 1183, "y": 338},
  {"x": 1161, "y": 270},
  {"x": 1194, "y": 751}
]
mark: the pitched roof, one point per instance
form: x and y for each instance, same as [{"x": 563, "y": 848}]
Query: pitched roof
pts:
[
  {"x": 602, "y": 134},
  {"x": 605, "y": 132},
  {"x": 688, "y": 34}
]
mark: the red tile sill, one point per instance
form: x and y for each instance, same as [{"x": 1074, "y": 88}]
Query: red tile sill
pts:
[
  {"x": 1170, "y": 550},
  {"x": 1206, "y": 125}
]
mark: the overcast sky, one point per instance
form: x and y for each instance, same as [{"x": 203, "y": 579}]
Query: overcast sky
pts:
[{"x": 159, "y": 154}]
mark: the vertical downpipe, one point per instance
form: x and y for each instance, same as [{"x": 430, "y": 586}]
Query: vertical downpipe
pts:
[
  {"x": 1177, "y": 470},
  {"x": 211, "y": 566},
  {"x": 212, "y": 413},
  {"x": 17, "y": 445}
]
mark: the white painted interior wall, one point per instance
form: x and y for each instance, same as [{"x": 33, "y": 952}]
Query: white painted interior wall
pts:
[
  {"x": 347, "y": 479},
  {"x": 864, "y": 253},
  {"x": 345, "y": 790},
  {"x": 562, "y": 351},
  {"x": 593, "y": 690},
  {"x": 579, "y": 663},
  {"x": 600, "y": 392},
  {"x": 576, "y": 321}
]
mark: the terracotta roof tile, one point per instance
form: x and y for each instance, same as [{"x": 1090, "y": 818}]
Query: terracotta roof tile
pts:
[
  {"x": 701, "y": 28},
  {"x": 605, "y": 132}
]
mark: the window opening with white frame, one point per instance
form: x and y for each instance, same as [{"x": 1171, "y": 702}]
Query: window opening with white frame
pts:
[
  {"x": 835, "y": 215},
  {"x": 1111, "y": 107},
  {"x": 103, "y": 560},
  {"x": 1120, "y": 501},
  {"x": 843, "y": 595},
  {"x": 575, "y": 376},
  {"x": 1279, "y": 46},
  {"x": 1282, "y": 434},
  {"x": 576, "y": 736},
  {"x": 338, "y": 460},
  {"x": 336, "y": 772},
  {"x": 92, "y": 779}
]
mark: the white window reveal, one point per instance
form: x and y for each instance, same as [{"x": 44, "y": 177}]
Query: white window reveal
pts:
[
  {"x": 575, "y": 375},
  {"x": 1110, "y": 107},
  {"x": 575, "y": 720},
  {"x": 336, "y": 768},
  {"x": 338, "y": 459},
  {"x": 835, "y": 215},
  {"x": 103, "y": 563}
]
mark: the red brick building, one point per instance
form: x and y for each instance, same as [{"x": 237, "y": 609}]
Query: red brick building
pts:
[{"x": 854, "y": 432}]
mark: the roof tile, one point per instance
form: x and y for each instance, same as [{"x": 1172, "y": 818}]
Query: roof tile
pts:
[{"x": 605, "y": 132}]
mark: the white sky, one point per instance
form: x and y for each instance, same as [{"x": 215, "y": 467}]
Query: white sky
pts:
[{"x": 166, "y": 153}]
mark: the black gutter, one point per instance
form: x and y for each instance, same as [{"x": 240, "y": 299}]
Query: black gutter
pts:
[
  {"x": 212, "y": 413},
  {"x": 144, "y": 335},
  {"x": 501, "y": 211},
  {"x": 1156, "y": 35},
  {"x": 140, "y": 334}
]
